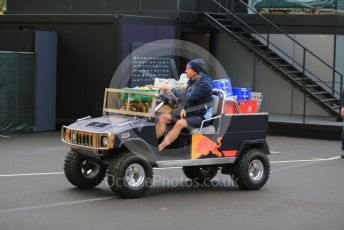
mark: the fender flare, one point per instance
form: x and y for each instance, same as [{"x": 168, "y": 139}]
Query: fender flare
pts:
[
  {"x": 256, "y": 144},
  {"x": 140, "y": 148}
]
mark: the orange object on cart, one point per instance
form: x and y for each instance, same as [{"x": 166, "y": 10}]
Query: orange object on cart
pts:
[{"x": 246, "y": 106}]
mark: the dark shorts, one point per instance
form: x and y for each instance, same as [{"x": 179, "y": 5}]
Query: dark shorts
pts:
[{"x": 193, "y": 121}]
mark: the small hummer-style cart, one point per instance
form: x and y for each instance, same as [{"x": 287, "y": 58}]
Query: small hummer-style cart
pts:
[{"x": 123, "y": 146}]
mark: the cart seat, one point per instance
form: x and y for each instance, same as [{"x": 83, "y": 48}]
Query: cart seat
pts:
[{"x": 210, "y": 128}]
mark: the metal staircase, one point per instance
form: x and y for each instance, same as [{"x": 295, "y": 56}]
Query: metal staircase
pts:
[{"x": 322, "y": 93}]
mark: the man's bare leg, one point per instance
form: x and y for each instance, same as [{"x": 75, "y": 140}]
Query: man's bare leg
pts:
[
  {"x": 160, "y": 127},
  {"x": 173, "y": 134}
]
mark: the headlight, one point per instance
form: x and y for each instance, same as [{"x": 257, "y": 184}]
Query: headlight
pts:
[
  {"x": 67, "y": 135},
  {"x": 104, "y": 141}
]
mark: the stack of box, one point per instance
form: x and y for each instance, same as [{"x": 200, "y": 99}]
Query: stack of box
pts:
[
  {"x": 223, "y": 84},
  {"x": 246, "y": 103},
  {"x": 243, "y": 97}
]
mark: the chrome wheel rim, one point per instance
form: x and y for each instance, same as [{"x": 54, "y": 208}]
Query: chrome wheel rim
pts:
[
  {"x": 89, "y": 169},
  {"x": 256, "y": 170},
  {"x": 135, "y": 175}
]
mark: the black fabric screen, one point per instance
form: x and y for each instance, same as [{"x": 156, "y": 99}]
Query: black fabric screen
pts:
[{"x": 17, "y": 98}]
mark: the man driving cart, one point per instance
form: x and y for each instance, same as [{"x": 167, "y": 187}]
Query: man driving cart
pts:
[{"x": 196, "y": 103}]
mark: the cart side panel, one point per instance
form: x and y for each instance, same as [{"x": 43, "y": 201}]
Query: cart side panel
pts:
[{"x": 234, "y": 130}]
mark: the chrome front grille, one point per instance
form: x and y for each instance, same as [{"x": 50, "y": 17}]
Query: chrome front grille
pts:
[
  {"x": 91, "y": 140},
  {"x": 84, "y": 139}
]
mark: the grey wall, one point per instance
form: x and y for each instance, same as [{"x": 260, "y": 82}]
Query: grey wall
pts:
[
  {"x": 321, "y": 45},
  {"x": 238, "y": 62},
  {"x": 248, "y": 71}
]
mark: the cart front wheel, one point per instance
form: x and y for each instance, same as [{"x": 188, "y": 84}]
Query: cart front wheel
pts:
[
  {"x": 129, "y": 176},
  {"x": 82, "y": 172}
]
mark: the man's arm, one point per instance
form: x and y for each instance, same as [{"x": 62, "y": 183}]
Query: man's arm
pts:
[
  {"x": 182, "y": 96},
  {"x": 202, "y": 89}
]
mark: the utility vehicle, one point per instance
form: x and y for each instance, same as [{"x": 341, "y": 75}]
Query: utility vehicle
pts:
[{"x": 123, "y": 146}]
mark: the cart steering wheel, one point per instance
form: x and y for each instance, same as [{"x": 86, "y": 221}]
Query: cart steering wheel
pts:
[{"x": 169, "y": 97}]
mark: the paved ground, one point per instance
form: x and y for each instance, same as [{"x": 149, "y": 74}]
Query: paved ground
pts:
[{"x": 34, "y": 193}]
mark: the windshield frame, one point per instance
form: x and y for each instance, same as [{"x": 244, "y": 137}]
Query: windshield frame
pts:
[{"x": 129, "y": 92}]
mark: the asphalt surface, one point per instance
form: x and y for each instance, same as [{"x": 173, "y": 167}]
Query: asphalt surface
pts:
[{"x": 305, "y": 191}]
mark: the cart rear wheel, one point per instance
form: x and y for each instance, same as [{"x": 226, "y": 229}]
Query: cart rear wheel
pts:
[
  {"x": 82, "y": 172},
  {"x": 252, "y": 170},
  {"x": 200, "y": 174},
  {"x": 129, "y": 176}
]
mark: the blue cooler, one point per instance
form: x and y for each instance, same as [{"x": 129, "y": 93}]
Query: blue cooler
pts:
[
  {"x": 223, "y": 84},
  {"x": 242, "y": 93}
]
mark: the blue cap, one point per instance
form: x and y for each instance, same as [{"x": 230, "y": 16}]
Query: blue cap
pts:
[{"x": 197, "y": 65}]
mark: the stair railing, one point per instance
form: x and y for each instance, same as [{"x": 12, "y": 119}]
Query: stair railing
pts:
[{"x": 305, "y": 52}]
